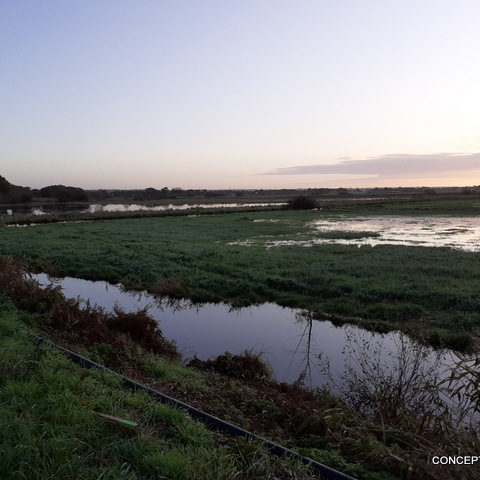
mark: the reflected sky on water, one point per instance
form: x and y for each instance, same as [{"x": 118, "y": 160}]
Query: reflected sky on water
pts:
[{"x": 292, "y": 343}]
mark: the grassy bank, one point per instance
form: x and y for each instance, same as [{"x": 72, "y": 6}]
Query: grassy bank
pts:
[
  {"x": 50, "y": 428},
  {"x": 47, "y": 406},
  {"x": 431, "y": 293}
]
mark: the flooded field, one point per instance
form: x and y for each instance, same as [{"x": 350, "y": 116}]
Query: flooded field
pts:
[
  {"x": 461, "y": 233},
  {"x": 455, "y": 232},
  {"x": 129, "y": 207},
  {"x": 159, "y": 208},
  {"x": 296, "y": 347},
  {"x": 430, "y": 293}
]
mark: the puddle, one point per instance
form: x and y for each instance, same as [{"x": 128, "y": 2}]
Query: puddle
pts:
[
  {"x": 459, "y": 233},
  {"x": 37, "y": 211},
  {"x": 32, "y": 224},
  {"x": 354, "y": 199},
  {"x": 462, "y": 233},
  {"x": 292, "y": 343},
  {"x": 22, "y": 225}
]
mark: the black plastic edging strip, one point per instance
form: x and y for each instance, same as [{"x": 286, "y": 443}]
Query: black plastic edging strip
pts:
[{"x": 325, "y": 472}]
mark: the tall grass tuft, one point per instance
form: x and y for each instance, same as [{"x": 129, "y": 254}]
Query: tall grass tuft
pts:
[{"x": 247, "y": 366}]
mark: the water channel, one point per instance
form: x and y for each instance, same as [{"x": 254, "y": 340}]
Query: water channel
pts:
[{"x": 295, "y": 346}]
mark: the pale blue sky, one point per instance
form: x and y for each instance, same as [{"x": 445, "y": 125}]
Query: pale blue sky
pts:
[{"x": 239, "y": 94}]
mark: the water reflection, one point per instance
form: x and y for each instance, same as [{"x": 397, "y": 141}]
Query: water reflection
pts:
[
  {"x": 45, "y": 209},
  {"x": 295, "y": 345},
  {"x": 302, "y": 356},
  {"x": 461, "y": 233},
  {"x": 399, "y": 378},
  {"x": 454, "y": 232},
  {"x": 125, "y": 207},
  {"x": 94, "y": 208}
]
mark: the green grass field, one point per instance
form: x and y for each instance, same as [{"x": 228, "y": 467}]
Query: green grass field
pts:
[{"x": 431, "y": 293}]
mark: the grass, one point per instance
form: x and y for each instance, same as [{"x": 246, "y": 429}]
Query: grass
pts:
[
  {"x": 49, "y": 429},
  {"x": 339, "y": 234},
  {"x": 430, "y": 293},
  {"x": 47, "y": 405},
  {"x": 173, "y": 372}
]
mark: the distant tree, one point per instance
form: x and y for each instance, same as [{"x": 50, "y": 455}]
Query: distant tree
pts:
[
  {"x": 98, "y": 195},
  {"x": 64, "y": 194},
  {"x": 302, "y": 202},
  {"x": 4, "y": 186},
  {"x": 10, "y": 193},
  {"x": 213, "y": 193},
  {"x": 152, "y": 193}
]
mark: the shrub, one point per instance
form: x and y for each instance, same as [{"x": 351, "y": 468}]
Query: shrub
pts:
[
  {"x": 247, "y": 366},
  {"x": 302, "y": 202}
]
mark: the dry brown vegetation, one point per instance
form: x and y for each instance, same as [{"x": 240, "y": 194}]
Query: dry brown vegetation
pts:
[
  {"x": 90, "y": 324},
  {"x": 248, "y": 366}
]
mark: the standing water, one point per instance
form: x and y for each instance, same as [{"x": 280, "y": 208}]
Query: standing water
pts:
[{"x": 295, "y": 346}]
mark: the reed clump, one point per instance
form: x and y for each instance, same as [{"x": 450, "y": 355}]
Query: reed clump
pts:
[{"x": 246, "y": 366}]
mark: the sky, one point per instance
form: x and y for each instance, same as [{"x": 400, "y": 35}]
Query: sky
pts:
[{"x": 240, "y": 94}]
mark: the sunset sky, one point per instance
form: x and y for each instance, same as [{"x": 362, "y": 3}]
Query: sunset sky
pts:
[{"x": 240, "y": 94}]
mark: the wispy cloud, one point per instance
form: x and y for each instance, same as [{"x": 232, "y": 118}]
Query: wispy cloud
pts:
[{"x": 394, "y": 165}]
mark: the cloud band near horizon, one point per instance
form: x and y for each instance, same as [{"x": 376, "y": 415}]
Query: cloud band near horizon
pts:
[{"x": 393, "y": 165}]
